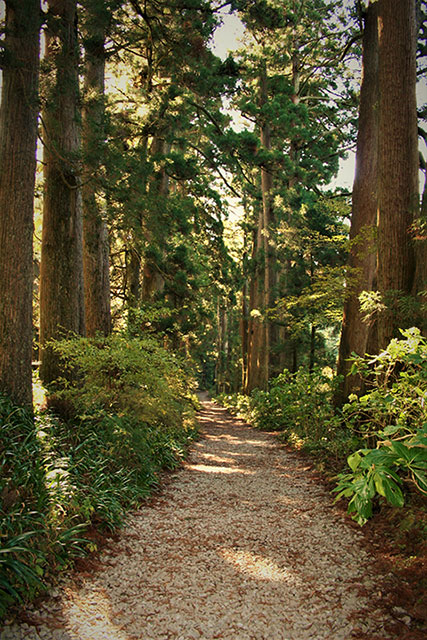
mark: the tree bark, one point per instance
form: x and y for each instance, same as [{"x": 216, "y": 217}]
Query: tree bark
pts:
[
  {"x": 267, "y": 214},
  {"x": 61, "y": 272},
  {"x": 95, "y": 232},
  {"x": 362, "y": 258},
  {"x": 18, "y": 133},
  {"x": 398, "y": 160},
  {"x": 262, "y": 279},
  {"x": 244, "y": 318},
  {"x": 158, "y": 187},
  {"x": 256, "y": 327}
]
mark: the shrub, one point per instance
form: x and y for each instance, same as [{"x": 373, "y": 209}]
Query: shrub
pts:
[
  {"x": 126, "y": 412},
  {"x": 296, "y": 402},
  {"x": 237, "y": 404},
  {"x": 392, "y": 417},
  {"x": 123, "y": 375}
]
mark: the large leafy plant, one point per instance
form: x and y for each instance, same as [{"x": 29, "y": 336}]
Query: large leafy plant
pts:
[{"x": 392, "y": 417}]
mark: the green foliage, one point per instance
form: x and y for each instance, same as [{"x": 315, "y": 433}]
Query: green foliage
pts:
[
  {"x": 405, "y": 308},
  {"x": 127, "y": 414},
  {"x": 383, "y": 434},
  {"x": 237, "y": 404},
  {"x": 299, "y": 406},
  {"x": 124, "y": 375},
  {"x": 23, "y": 497},
  {"x": 291, "y": 403},
  {"x": 18, "y": 569},
  {"x": 392, "y": 417}
]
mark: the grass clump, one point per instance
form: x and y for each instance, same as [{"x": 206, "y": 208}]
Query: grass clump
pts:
[{"x": 126, "y": 412}]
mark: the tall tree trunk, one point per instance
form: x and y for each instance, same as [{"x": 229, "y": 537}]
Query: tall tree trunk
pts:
[
  {"x": 61, "y": 272},
  {"x": 18, "y": 131},
  {"x": 398, "y": 159},
  {"x": 244, "y": 329},
  {"x": 244, "y": 318},
  {"x": 261, "y": 289},
  {"x": 152, "y": 280},
  {"x": 267, "y": 223},
  {"x": 362, "y": 258},
  {"x": 281, "y": 346},
  {"x": 256, "y": 327},
  {"x": 219, "y": 366},
  {"x": 95, "y": 233},
  {"x": 225, "y": 351},
  {"x": 420, "y": 281}
]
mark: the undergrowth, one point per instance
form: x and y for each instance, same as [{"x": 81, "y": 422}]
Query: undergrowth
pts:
[
  {"x": 299, "y": 407},
  {"x": 91, "y": 456},
  {"x": 380, "y": 437}
]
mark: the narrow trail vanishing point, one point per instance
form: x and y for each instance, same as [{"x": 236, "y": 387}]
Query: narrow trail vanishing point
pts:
[{"x": 241, "y": 544}]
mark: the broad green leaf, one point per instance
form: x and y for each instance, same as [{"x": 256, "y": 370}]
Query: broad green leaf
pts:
[
  {"x": 393, "y": 492},
  {"x": 379, "y": 486},
  {"x": 402, "y": 451},
  {"x": 421, "y": 479},
  {"x": 354, "y": 460},
  {"x": 345, "y": 493}
]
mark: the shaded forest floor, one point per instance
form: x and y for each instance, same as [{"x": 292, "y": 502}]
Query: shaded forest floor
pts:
[{"x": 243, "y": 543}]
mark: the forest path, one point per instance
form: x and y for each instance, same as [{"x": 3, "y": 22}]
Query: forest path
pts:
[{"x": 241, "y": 544}]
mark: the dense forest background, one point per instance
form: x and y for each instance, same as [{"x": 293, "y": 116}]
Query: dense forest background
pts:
[
  {"x": 190, "y": 197},
  {"x": 170, "y": 219}
]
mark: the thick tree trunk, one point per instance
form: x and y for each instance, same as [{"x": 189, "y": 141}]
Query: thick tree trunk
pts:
[
  {"x": 222, "y": 346},
  {"x": 18, "y": 130},
  {"x": 266, "y": 187},
  {"x": 270, "y": 267},
  {"x": 362, "y": 259},
  {"x": 398, "y": 159},
  {"x": 281, "y": 347},
  {"x": 61, "y": 273},
  {"x": 95, "y": 233}
]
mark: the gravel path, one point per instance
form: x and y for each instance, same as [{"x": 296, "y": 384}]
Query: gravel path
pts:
[{"x": 242, "y": 544}]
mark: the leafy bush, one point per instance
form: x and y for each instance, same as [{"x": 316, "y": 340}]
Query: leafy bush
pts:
[
  {"x": 237, "y": 404},
  {"x": 392, "y": 417},
  {"x": 297, "y": 403},
  {"x": 127, "y": 413},
  {"x": 123, "y": 375}
]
